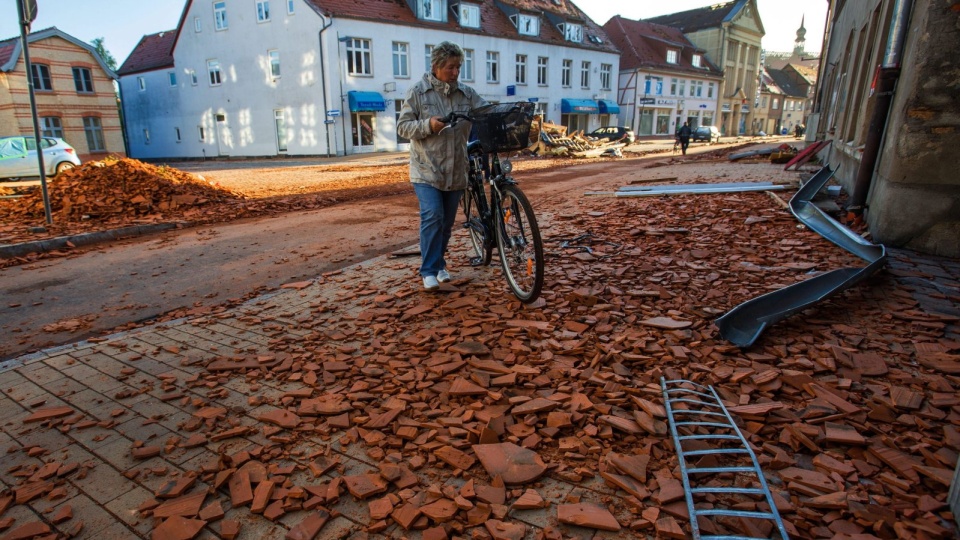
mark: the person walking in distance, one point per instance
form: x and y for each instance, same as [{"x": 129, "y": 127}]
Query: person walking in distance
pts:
[
  {"x": 684, "y": 136},
  {"x": 438, "y": 157}
]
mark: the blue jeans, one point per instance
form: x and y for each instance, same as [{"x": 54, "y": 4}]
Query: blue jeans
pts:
[{"x": 438, "y": 213}]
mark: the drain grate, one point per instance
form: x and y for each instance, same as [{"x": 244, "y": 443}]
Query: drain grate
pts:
[{"x": 719, "y": 470}]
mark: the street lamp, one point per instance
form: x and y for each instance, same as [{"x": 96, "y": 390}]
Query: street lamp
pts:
[{"x": 343, "y": 109}]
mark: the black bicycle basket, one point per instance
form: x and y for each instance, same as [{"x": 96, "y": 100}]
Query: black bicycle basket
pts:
[{"x": 503, "y": 127}]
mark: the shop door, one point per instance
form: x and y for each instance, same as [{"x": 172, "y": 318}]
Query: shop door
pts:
[
  {"x": 646, "y": 122},
  {"x": 223, "y": 136},
  {"x": 363, "y": 130}
]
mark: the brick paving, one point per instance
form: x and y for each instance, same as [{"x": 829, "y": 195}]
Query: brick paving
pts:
[{"x": 142, "y": 388}]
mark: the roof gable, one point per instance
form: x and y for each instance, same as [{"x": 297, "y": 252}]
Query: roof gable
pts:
[
  {"x": 12, "y": 52},
  {"x": 644, "y": 45},
  {"x": 154, "y": 51},
  {"x": 700, "y": 18}
]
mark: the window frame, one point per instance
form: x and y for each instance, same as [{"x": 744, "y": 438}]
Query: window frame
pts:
[
  {"x": 401, "y": 59},
  {"x": 573, "y": 32},
  {"x": 220, "y": 16},
  {"x": 213, "y": 67},
  {"x": 273, "y": 57},
  {"x": 673, "y": 57},
  {"x": 40, "y": 76},
  {"x": 472, "y": 13},
  {"x": 193, "y": 77},
  {"x": 697, "y": 61},
  {"x": 520, "y": 73},
  {"x": 606, "y": 71},
  {"x": 172, "y": 78},
  {"x": 543, "y": 71},
  {"x": 566, "y": 73},
  {"x": 435, "y": 6},
  {"x": 93, "y": 129},
  {"x": 197, "y": 25},
  {"x": 263, "y": 11},
  {"x": 86, "y": 83},
  {"x": 584, "y": 74},
  {"x": 493, "y": 67},
  {"x": 525, "y": 18},
  {"x": 142, "y": 83},
  {"x": 290, "y": 7},
  {"x": 359, "y": 49},
  {"x": 51, "y": 126},
  {"x": 467, "y": 70}
]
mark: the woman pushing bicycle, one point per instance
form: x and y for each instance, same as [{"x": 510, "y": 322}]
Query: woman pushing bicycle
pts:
[{"x": 438, "y": 164}]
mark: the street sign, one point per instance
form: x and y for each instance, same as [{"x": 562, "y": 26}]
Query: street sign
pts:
[
  {"x": 511, "y": 90},
  {"x": 328, "y": 121},
  {"x": 333, "y": 112},
  {"x": 703, "y": 106},
  {"x": 29, "y": 10},
  {"x": 533, "y": 99}
]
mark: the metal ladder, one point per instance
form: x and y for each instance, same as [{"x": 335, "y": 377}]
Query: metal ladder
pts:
[{"x": 692, "y": 409}]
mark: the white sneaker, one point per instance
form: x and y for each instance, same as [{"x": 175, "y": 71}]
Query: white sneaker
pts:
[
  {"x": 430, "y": 283},
  {"x": 443, "y": 276}
]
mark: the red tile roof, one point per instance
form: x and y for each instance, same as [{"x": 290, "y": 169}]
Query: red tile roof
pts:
[
  {"x": 154, "y": 51},
  {"x": 6, "y": 50},
  {"x": 644, "y": 45},
  {"x": 700, "y": 18},
  {"x": 493, "y": 20}
]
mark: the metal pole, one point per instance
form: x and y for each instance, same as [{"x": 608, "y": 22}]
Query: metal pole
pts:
[{"x": 24, "y": 30}]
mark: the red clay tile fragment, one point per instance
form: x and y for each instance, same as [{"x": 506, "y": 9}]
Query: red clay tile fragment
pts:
[
  {"x": 309, "y": 528},
  {"x": 363, "y": 486},
  {"x": 501, "y": 530},
  {"x": 48, "y": 413},
  {"x": 455, "y": 458},
  {"x": 186, "y": 506},
  {"x": 281, "y": 417},
  {"x": 514, "y": 464},
  {"x": 229, "y": 529},
  {"x": 587, "y": 515},
  {"x": 440, "y": 511},
  {"x": 665, "y": 323},
  {"x": 534, "y": 406},
  {"x": 28, "y": 530},
  {"x": 62, "y": 514},
  {"x": 463, "y": 387},
  {"x": 530, "y": 500},
  {"x": 178, "y": 528}
]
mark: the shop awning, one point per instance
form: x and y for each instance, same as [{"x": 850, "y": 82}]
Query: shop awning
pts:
[
  {"x": 578, "y": 106},
  {"x": 608, "y": 107},
  {"x": 366, "y": 101}
]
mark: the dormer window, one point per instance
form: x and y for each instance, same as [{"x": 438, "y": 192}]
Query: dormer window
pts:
[
  {"x": 528, "y": 25},
  {"x": 469, "y": 16},
  {"x": 672, "y": 57},
  {"x": 697, "y": 62},
  {"x": 431, "y": 10},
  {"x": 573, "y": 32}
]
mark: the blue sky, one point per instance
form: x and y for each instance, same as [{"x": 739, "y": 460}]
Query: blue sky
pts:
[{"x": 123, "y": 22}]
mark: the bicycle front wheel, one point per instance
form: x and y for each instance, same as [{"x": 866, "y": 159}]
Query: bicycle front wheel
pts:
[
  {"x": 481, "y": 245},
  {"x": 520, "y": 245}
]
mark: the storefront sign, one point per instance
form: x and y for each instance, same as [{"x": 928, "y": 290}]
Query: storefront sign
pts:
[
  {"x": 745, "y": 109},
  {"x": 647, "y": 101},
  {"x": 666, "y": 102},
  {"x": 725, "y": 107}
]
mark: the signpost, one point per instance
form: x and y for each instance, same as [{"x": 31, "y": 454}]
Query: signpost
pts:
[
  {"x": 27, "y": 11},
  {"x": 333, "y": 112}
]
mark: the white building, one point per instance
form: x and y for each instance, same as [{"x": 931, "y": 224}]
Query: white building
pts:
[
  {"x": 327, "y": 77},
  {"x": 664, "y": 80}
]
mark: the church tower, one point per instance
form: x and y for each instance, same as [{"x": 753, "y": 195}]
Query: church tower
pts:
[{"x": 800, "y": 42}]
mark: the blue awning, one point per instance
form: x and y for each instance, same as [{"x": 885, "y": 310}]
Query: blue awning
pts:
[
  {"x": 366, "y": 101},
  {"x": 578, "y": 106},
  {"x": 608, "y": 107}
]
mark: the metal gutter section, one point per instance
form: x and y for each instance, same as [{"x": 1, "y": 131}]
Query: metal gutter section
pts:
[{"x": 743, "y": 324}]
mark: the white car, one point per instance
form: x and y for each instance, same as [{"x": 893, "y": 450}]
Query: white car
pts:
[{"x": 18, "y": 157}]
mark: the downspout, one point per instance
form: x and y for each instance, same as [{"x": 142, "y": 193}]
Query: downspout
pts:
[
  {"x": 887, "y": 76},
  {"x": 323, "y": 80}
]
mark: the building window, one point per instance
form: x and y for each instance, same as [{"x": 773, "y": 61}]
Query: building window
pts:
[
  {"x": 683, "y": 88},
  {"x": 41, "y": 77},
  {"x": 220, "y": 15},
  {"x": 358, "y": 57},
  {"x": 193, "y": 76},
  {"x": 172, "y": 76},
  {"x": 431, "y": 10},
  {"x": 280, "y": 124},
  {"x": 263, "y": 10},
  {"x": 696, "y": 88},
  {"x": 213, "y": 68},
  {"x": 573, "y": 32},
  {"x": 197, "y": 25},
  {"x": 146, "y": 136},
  {"x": 427, "y": 54},
  {"x": 653, "y": 86},
  {"x": 82, "y": 80},
  {"x": 605, "y": 70},
  {"x": 290, "y": 7},
  {"x": 274, "y": 57},
  {"x": 141, "y": 84},
  {"x": 763, "y": 102},
  {"x": 50, "y": 126},
  {"x": 709, "y": 90},
  {"x": 776, "y": 103},
  {"x": 799, "y": 105},
  {"x": 697, "y": 62},
  {"x": 528, "y": 25},
  {"x": 673, "y": 87},
  {"x": 177, "y": 133},
  {"x": 493, "y": 67},
  {"x": 521, "y": 69},
  {"x": 565, "y": 73},
  {"x": 671, "y": 57},
  {"x": 469, "y": 16},
  {"x": 585, "y": 74},
  {"x": 542, "y": 70},
  {"x": 94, "y": 132},
  {"x": 466, "y": 71},
  {"x": 401, "y": 60},
  {"x": 202, "y": 133}
]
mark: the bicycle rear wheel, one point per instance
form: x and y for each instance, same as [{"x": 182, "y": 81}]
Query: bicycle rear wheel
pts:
[
  {"x": 481, "y": 245},
  {"x": 520, "y": 245}
]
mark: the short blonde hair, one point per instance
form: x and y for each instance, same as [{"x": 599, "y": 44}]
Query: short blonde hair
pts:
[{"x": 443, "y": 52}]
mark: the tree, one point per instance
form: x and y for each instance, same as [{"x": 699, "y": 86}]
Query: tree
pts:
[{"x": 104, "y": 54}]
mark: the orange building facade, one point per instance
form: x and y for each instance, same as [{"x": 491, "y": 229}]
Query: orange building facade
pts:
[{"x": 74, "y": 89}]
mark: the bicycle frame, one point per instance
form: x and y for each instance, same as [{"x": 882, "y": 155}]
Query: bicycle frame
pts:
[{"x": 484, "y": 169}]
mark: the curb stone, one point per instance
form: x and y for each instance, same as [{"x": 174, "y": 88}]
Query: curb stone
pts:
[{"x": 18, "y": 250}]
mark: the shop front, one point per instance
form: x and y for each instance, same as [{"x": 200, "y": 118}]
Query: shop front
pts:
[
  {"x": 575, "y": 113},
  {"x": 609, "y": 112},
  {"x": 655, "y": 116},
  {"x": 364, "y": 107}
]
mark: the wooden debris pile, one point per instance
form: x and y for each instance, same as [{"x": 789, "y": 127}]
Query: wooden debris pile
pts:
[
  {"x": 554, "y": 141},
  {"x": 124, "y": 188},
  {"x": 464, "y": 414}
]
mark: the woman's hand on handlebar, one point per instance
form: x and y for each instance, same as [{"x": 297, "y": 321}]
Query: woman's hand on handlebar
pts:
[{"x": 437, "y": 124}]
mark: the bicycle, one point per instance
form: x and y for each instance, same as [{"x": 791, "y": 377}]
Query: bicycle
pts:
[{"x": 503, "y": 213}]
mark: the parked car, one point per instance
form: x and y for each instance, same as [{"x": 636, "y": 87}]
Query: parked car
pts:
[
  {"x": 706, "y": 133},
  {"x": 614, "y": 133},
  {"x": 18, "y": 157}
]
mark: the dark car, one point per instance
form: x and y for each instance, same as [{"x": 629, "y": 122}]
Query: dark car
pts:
[
  {"x": 706, "y": 133},
  {"x": 614, "y": 133}
]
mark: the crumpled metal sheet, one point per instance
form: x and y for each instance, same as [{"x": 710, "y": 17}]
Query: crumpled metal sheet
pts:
[{"x": 743, "y": 324}]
